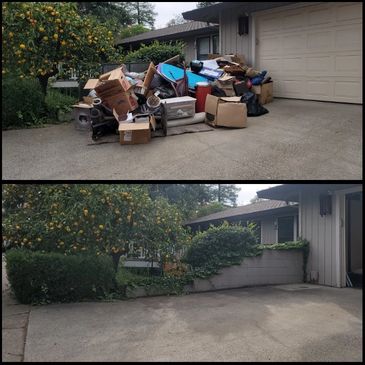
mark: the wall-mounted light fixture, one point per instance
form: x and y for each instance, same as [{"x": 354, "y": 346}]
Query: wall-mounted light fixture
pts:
[
  {"x": 325, "y": 204},
  {"x": 243, "y": 25}
]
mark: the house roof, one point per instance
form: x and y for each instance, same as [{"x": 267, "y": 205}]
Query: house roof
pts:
[
  {"x": 290, "y": 192},
  {"x": 211, "y": 13},
  {"x": 257, "y": 208},
  {"x": 179, "y": 30}
]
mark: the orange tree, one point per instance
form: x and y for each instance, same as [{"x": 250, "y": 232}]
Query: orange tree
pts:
[
  {"x": 40, "y": 37},
  {"x": 117, "y": 219}
]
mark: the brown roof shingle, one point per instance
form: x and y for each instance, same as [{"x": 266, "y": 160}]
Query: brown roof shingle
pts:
[
  {"x": 173, "y": 30},
  {"x": 245, "y": 209}
]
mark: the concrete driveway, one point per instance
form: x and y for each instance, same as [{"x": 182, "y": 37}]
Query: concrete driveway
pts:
[
  {"x": 296, "y": 140},
  {"x": 277, "y": 323}
]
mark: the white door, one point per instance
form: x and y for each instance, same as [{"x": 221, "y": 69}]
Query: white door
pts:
[{"x": 312, "y": 52}]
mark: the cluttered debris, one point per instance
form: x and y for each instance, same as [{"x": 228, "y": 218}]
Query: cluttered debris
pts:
[{"x": 221, "y": 91}]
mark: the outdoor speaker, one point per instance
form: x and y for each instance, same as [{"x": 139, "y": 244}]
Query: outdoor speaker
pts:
[{"x": 243, "y": 25}]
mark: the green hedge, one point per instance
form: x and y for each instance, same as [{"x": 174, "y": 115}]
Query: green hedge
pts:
[
  {"x": 23, "y": 103},
  {"x": 156, "y": 52},
  {"x": 39, "y": 278},
  {"x": 220, "y": 247},
  {"x": 56, "y": 100}
]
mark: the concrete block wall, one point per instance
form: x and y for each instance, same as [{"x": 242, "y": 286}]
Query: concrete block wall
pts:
[{"x": 272, "y": 267}]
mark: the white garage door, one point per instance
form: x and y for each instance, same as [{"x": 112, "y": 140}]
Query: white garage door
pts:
[{"x": 313, "y": 52}]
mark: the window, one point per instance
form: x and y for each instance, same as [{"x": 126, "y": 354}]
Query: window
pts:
[
  {"x": 203, "y": 48},
  {"x": 285, "y": 229},
  {"x": 215, "y": 42}
]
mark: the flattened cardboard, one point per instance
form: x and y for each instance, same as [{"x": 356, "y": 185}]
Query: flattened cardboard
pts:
[
  {"x": 117, "y": 73},
  {"x": 148, "y": 78},
  {"x": 134, "y": 133},
  {"x": 225, "y": 113},
  {"x": 91, "y": 84}
]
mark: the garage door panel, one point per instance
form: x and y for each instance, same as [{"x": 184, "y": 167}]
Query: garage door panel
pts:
[
  {"x": 320, "y": 17},
  {"x": 294, "y": 21},
  {"x": 320, "y": 64},
  {"x": 320, "y": 41},
  {"x": 347, "y": 89},
  {"x": 349, "y": 65},
  {"x": 294, "y": 43},
  {"x": 348, "y": 12},
  {"x": 320, "y": 58},
  {"x": 318, "y": 88},
  {"x": 349, "y": 39}
]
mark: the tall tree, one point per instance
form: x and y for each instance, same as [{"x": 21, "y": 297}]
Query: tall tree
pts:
[
  {"x": 189, "y": 197},
  {"x": 107, "y": 11},
  {"x": 225, "y": 193},
  {"x": 142, "y": 13}
]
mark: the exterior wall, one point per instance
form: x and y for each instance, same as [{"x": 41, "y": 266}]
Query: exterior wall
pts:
[
  {"x": 273, "y": 267},
  {"x": 230, "y": 41},
  {"x": 356, "y": 235},
  {"x": 268, "y": 231},
  {"x": 190, "y": 51},
  {"x": 321, "y": 233}
]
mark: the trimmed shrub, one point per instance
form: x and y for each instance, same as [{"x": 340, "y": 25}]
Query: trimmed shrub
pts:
[
  {"x": 23, "y": 103},
  {"x": 56, "y": 101},
  {"x": 156, "y": 52},
  {"x": 220, "y": 247},
  {"x": 40, "y": 278}
]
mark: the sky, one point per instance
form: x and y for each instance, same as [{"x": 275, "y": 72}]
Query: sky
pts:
[
  {"x": 248, "y": 191},
  {"x": 167, "y": 10}
]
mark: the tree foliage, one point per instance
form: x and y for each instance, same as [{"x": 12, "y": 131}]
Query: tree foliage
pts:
[
  {"x": 115, "y": 12},
  {"x": 177, "y": 19},
  {"x": 142, "y": 12},
  {"x": 204, "y": 4},
  {"x": 118, "y": 219},
  {"x": 38, "y": 37},
  {"x": 210, "y": 208},
  {"x": 132, "y": 30},
  {"x": 156, "y": 52}
]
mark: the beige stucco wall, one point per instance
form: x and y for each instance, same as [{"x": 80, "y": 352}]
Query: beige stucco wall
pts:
[{"x": 273, "y": 267}]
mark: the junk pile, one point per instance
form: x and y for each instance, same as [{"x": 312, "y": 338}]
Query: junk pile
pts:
[{"x": 221, "y": 91}]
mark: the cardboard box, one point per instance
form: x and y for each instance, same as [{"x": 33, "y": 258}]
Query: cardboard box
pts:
[
  {"x": 122, "y": 102},
  {"x": 265, "y": 92},
  {"x": 134, "y": 133},
  {"x": 112, "y": 87},
  {"x": 225, "y": 112},
  {"x": 180, "y": 107},
  {"x": 226, "y": 84}
]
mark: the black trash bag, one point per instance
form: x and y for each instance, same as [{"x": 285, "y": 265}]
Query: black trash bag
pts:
[
  {"x": 158, "y": 81},
  {"x": 102, "y": 124},
  {"x": 254, "y": 108},
  {"x": 165, "y": 92},
  {"x": 218, "y": 92}
]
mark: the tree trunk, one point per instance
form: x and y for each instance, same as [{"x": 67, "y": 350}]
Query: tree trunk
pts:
[
  {"x": 116, "y": 258},
  {"x": 43, "y": 81},
  {"x": 219, "y": 193},
  {"x": 138, "y": 13}
]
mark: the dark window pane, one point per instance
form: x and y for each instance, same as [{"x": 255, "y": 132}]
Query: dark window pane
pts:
[{"x": 285, "y": 229}]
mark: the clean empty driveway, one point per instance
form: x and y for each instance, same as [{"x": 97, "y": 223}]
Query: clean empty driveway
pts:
[
  {"x": 297, "y": 140},
  {"x": 277, "y": 323}
]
